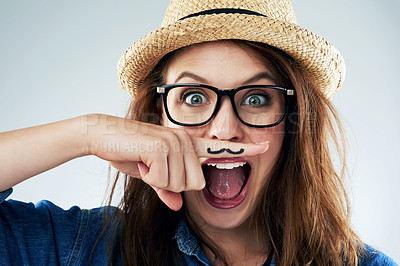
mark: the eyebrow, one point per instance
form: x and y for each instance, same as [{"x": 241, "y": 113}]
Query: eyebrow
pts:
[
  {"x": 187, "y": 74},
  {"x": 261, "y": 75},
  {"x": 257, "y": 77}
]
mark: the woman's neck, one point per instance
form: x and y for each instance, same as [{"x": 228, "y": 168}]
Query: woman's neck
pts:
[{"x": 240, "y": 246}]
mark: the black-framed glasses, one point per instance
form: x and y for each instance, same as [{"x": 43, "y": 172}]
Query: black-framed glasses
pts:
[{"x": 196, "y": 104}]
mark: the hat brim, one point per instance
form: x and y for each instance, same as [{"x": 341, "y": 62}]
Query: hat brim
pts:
[{"x": 318, "y": 56}]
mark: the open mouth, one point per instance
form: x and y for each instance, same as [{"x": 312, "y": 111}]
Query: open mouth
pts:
[{"x": 225, "y": 181}]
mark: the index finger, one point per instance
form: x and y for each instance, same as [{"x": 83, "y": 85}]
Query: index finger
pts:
[{"x": 222, "y": 149}]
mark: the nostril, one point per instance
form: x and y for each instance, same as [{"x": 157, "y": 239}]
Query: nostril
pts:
[{"x": 234, "y": 139}]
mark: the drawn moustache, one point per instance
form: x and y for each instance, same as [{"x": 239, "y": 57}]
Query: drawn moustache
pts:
[{"x": 225, "y": 149}]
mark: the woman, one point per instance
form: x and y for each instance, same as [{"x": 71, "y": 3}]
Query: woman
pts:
[{"x": 237, "y": 169}]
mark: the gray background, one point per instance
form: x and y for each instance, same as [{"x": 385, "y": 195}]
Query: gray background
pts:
[{"x": 58, "y": 60}]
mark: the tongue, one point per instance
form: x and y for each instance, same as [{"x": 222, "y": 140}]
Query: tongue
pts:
[{"x": 225, "y": 183}]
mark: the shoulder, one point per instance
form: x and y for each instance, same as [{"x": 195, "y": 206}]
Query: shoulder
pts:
[
  {"x": 60, "y": 235},
  {"x": 373, "y": 257},
  {"x": 46, "y": 212}
]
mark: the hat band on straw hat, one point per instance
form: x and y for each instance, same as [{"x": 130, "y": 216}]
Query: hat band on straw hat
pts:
[{"x": 223, "y": 11}]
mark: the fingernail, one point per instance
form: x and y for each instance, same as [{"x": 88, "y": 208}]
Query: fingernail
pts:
[
  {"x": 265, "y": 143},
  {"x": 202, "y": 159}
]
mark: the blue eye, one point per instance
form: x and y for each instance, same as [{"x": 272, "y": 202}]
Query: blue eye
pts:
[
  {"x": 255, "y": 100},
  {"x": 195, "y": 99}
]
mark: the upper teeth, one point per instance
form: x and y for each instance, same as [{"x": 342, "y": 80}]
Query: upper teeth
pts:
[{"x": 226, "y": 165}]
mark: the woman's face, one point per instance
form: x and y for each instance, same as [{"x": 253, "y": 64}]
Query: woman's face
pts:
[{"x": 225, "y": 65}]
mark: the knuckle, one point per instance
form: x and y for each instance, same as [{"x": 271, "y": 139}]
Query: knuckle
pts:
[
  {"x": 201, "y": 183},
  {"x": 172, "y": 136},
  {"x": 194, "y": 186},
  {"x": 160, "y": 183},
  {"x": 184, "y": 135},
  {"x": 178, "y": 188},
  {"x": 165, "y": 149},
  {"x": 155, "y": 180},
  {"x": 161, "y": 147},
  {"x": 177, "y": 185},
  {"x": 148, "y": 180},
  {"x": 172, "y": 142},
  {"x": 163, "y": 185},
  {"x": 187, "y": 140},
  {"x": 197, "y": 183},
  {"x": 182, "y": 187}
]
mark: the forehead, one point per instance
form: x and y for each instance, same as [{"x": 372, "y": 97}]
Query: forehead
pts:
[{"x": 222, "y": 63}]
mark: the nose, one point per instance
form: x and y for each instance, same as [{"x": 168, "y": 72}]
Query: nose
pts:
[{"x": 225, "y": 125}]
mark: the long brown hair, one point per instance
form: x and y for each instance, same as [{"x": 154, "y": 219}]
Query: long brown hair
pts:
[{"x": 303, "y": 212}]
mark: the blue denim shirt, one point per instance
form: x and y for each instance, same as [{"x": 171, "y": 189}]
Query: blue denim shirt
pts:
[{"x": 44, "y": 234}]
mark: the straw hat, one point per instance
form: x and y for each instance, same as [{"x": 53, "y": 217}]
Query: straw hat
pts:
[{"x": 272, "y": 22}]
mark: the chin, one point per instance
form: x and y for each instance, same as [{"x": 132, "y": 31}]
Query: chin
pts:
[{"x": 205, "y": 214}]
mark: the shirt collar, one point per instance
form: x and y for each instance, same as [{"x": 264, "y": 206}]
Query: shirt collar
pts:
[{"x": 187, "y": 243}]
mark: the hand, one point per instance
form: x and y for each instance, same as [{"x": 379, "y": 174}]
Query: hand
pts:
[{"x": 167, "y": 159}]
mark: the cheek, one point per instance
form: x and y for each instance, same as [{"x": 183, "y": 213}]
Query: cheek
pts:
[
  {"x": 193, "y": 131},
  {"x": 200, "y": 132},
  {"x": 265, "y": 161},
  {"x": 167, "y": 123},
  {"x": 164, "y": 119},
  {"x": 274, "y": 134}
]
